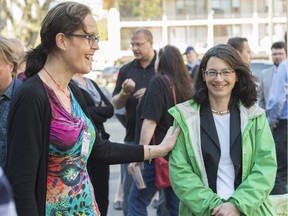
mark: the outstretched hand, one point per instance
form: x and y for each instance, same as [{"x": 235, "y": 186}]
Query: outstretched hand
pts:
[{"x": 169, "y": 140}]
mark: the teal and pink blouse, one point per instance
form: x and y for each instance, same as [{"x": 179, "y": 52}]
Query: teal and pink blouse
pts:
[{"x": 69, "y": 190}]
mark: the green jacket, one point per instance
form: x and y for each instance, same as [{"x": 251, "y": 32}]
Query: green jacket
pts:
[{"x": 187, "y": 170}]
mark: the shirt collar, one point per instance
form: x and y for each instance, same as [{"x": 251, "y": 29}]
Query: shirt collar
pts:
[
  {"x": 137, "y": 64},
  {"x": 193, "y": 65},
  {"x": 9, "y": 90}
]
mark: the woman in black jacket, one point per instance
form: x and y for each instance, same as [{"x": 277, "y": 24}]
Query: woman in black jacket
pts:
[{"x": 50, "y": 135}]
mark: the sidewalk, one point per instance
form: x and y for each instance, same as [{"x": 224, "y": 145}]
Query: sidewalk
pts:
[{"x": 117, "y": 133}]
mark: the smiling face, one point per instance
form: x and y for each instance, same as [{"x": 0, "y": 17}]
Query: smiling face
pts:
[
  {"x": 80, "y": 51},
  {"x": 219, "y": 87}
]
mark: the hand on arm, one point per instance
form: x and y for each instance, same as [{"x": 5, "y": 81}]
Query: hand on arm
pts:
[{"x": 164, "y": 147}]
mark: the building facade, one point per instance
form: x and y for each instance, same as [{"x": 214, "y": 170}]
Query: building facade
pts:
[{"x": 202, "y": 24}]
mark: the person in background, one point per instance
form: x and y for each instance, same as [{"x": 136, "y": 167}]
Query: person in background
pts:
[
  {"x": 155, "y": 121},
  {"x": 100, "y": 109},
  {"x": 20, "y": 51},
  {"x": 241, "y": 45},
  {"x": 50, "y": 134},
  {"x": 8, "y": 84},
  {"x": 192, "y": 61},
  {"x": 278, "y": 51},
  {"x": 277, "y": 114},
  {"x": 224, "y": 161},
  {"x": 130, "y": 86},
  {"x": 7, "y": 205}
]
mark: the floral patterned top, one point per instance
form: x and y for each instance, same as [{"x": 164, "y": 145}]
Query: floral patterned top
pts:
[{"x": 69, "y": 190}]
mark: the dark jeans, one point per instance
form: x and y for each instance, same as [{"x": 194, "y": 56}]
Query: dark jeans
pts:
[
  {"x": 126, "y": 181},
  {"x": 140, "y": 199},
  {"x": 280, "y": 138},
  {"x": 99, "y": 176}
]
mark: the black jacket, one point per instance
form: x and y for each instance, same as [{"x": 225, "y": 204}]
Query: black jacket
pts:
[
  {"x": 28, "y": 141},
  {"x": 98, "y": 114},
  {"x": 211, "y": 146}
]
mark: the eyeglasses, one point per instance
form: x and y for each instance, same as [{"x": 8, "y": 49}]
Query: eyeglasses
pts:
[
  {"x": 91, "y": 38},
  {"x": 211, "y": 73},
  {"x": 137, "y": 45}
]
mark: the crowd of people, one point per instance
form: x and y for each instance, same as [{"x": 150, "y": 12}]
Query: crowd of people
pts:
[{"x": 225, "y": 138}]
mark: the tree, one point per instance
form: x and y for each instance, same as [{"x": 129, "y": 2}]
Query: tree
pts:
[
  {"x": 140, "y": 9},
  {"x": 107, "y": 4},
  {"x": 29, "y": 16}
]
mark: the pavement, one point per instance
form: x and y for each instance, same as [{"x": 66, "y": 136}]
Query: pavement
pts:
[{"x": 117, "y": 134}]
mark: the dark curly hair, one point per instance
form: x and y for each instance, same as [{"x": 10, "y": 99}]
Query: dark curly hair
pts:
[{"x": 245, "y": 89}]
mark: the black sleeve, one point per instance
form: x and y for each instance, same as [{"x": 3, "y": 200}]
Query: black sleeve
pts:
[
  {"x": 26, "y": 147},
  {"x": 154, "y": 107},
  {"x": 109, "y": 152},
  {"x": 101, "y": 114},
  {"x": 115, "y": 153}
]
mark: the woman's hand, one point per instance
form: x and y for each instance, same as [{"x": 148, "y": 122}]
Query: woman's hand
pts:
[
  {"x": 169, "y": 141},
  {"x": 226, "y": 209},
  {"x": 167, "y": 144}
]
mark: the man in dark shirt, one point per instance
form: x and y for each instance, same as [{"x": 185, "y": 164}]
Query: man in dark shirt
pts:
[{"x": 130, "y": 87}]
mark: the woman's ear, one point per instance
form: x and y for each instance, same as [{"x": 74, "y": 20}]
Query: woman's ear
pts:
[
  {"x": 60, "y": 40},
  {"x": 204, "y": 77}
]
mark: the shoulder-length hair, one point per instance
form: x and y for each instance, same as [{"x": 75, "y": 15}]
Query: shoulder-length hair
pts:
[
  {"x": 172, "y": 64},
  {"x": 245, "y": 88}
]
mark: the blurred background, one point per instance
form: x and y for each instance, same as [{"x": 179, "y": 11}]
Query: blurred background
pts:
[{"x": 201, "y": 24}]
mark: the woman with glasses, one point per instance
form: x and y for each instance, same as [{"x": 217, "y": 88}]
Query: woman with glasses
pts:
[
  {"x": 224, "y": 162},
  {"x": 51, "y": 136}
]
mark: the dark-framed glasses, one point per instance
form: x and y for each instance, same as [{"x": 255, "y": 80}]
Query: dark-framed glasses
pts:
[
  {"x": 213, "y": 73},
  {"x": 92, "y": 39}
]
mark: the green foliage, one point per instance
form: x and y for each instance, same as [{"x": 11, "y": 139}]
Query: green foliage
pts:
[
  {"x": 102, "y": 28},
  {"x": 26, "y": 23},
  {"x": 140, "y": 9}
]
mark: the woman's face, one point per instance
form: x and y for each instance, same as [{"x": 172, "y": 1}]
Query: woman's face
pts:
[
  {"x": 80, "y": 50},
  {"x": 220, "y": 79}
]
